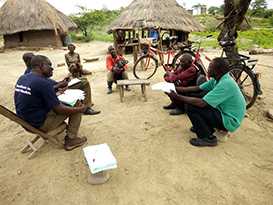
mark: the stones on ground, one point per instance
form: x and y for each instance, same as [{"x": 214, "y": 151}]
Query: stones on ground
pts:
[
  {"x": 19, "y": 172},
  {"x": 269, "y": 114}
]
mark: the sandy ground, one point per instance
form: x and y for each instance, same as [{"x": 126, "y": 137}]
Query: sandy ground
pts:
[{"x": 156, "y": 164}]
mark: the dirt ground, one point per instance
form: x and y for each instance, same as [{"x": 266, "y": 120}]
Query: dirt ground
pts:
[{"x": 156, "y": 163}]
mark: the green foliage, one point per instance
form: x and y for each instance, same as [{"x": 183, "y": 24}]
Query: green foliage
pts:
[
  {"x": 247, "y": 39},
  {"x": 89, "y": 20},
  {"x": 209, "y": 22},
  {"x": 102, "y": 36},
  {"x": 213, "y": 10},
  {"x": 262, "y": 37},
  {"x": 258, "y": 8},
  {"x": 260, "y": 22},
  {"x": 271, "y": 21}
]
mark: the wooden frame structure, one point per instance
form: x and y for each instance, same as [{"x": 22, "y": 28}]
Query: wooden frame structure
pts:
[
  {"x": 32, "y": 145},
  {"x": 132, "y": 39}
]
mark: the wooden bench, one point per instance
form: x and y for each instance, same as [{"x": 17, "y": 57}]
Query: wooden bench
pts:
[
  {"x": 122, "y": 83},
  {"x": 41, "y": 136}
]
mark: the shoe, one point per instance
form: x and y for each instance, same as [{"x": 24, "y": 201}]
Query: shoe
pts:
[
  {"x": 71, "y": 144},
  {"x": 192, "y": 129},
  {"x": 110, "y": 91},
  {"x": 90, "y": 111},
  {"x": 202, "y": 142},
  {"x": 177, "y": 112},
  {"x": 169, "y": 107}
]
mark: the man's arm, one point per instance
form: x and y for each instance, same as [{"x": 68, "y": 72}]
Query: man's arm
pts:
[
  {"x": 186, "y": 75},
  {"x": 182, "y": 90},
  {"x": 198, "y": 102},
  {"x": 63, "y": 109},
  {"x": 79, "y": 59},
  {"x": 109, "y": 63},
  {"x": 66, "y": 60}
]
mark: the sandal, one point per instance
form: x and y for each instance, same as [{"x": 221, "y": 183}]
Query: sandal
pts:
[{"x": 74, "y": 143}]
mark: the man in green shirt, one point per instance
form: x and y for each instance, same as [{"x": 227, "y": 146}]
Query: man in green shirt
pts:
[{"x": 223, "y": 107}]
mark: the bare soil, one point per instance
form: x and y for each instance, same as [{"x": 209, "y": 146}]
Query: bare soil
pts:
[{"x": 156, "y": 163}]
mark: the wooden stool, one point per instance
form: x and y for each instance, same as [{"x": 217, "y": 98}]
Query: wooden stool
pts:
[
  {"x": 122, "y": 83},
  {"x": 99, "y": 178}
]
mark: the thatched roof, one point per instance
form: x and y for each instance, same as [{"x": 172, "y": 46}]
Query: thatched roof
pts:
[
  {"x": 166, "y": 14},
  {"x": 25, "y": 15}
]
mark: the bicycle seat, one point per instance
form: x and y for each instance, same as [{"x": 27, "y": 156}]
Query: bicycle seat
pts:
[
  {"x": 243, "y": 57},
  {"x": 184, "y": 45},
  {"x": 227, "y": 43}
]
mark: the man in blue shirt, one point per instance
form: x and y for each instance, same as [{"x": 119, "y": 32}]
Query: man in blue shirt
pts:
[
  {"x": 223, "y": 107},
  {"x": 84, "y": 85},
  {"x": 36, "y": 102}
]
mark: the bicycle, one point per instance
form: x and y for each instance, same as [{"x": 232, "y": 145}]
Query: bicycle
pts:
[
  {"x": 242, "y": 68},
  {"x": 146, "y": 66}
]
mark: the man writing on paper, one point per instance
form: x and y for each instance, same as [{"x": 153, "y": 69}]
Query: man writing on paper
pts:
[
  {"x": 223, "y": 107},
  {"x": 185, "y": 75},
  {"x": 83, "y": 85},
  {"x": 36, "y": 102}
]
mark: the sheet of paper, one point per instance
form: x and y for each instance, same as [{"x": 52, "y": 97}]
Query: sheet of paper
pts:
[
  {"x": 164, "y": 86},
  {"x": 71, "y": 96},
  {"x": 73, "y": 81},
  {"x": 99, "y": 158}
]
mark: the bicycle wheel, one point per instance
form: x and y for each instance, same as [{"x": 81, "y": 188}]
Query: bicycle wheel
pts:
[
  {"x": 246, "y": 81},
  {"x": 145, "y": 67}
]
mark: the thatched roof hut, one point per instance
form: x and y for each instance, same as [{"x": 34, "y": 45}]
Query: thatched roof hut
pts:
[
  {"x": 164, "y": 14},
  {"x": 147, "y": 15},
  {"x": 33, "y": 23}
]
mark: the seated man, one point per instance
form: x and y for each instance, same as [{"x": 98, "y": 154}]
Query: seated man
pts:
[
  {"x": 27, "y": 59},
  {"x": 185, "y": 75},
  {"x": 73, "y": 62},
  {"x": 84, "y": 85},
  {"x": 223, "y": 107},
  {"x": 116, "y": 66},
  {"x": 36, "y": 102}
]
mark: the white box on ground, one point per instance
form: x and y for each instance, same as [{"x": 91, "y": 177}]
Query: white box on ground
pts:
[{"x": 99, "y": 158}]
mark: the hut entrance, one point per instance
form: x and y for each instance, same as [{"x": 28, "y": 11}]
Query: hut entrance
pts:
[{"x": 21, "y": 37}]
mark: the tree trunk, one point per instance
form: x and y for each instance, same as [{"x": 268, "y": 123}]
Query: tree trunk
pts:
[{"x": 234, "y": 13}]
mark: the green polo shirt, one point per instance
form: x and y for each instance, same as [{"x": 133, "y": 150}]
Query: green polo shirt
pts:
[{"x": 226, "y": 96}]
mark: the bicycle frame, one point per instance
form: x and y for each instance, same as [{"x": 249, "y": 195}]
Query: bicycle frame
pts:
[{"x": 157, "y": 52}]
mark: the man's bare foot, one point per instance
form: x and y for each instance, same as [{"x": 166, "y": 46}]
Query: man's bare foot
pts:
[{"x": 71, "y": 144}]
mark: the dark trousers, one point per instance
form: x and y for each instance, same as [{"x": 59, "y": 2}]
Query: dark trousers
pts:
[{"x": 205, "y": 120}]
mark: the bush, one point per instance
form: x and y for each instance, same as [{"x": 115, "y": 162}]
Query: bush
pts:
[
  {"x": 79, "y": 37},
  {"x": 247, "y": 39}
]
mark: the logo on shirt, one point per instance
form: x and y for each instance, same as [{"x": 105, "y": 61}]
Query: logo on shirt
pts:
[{"x": 23, "y": 89}]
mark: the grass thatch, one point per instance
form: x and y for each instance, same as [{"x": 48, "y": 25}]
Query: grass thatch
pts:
[
  {"x": 165, "y": 14},
  {"x": 25, "y": 15}
]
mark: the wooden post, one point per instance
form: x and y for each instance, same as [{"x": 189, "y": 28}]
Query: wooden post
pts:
[
  {"x": 115, "y": 39},
  {"x": 143, "y": 90}
]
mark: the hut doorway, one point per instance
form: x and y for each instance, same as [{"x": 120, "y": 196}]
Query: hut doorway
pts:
[{"x": 21, "y": 37}]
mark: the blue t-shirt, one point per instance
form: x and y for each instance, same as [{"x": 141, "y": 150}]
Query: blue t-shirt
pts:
[
  {"x": 27, "y": 71},
  {"x": 34, "y": 97}
]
